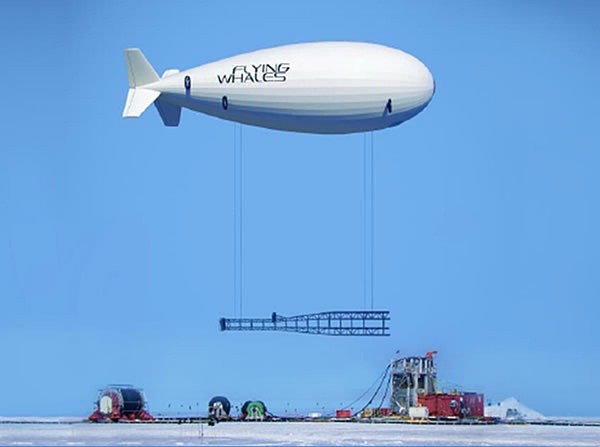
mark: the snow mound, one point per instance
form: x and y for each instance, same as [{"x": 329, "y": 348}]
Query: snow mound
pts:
[{"x": 512, "y": 409}]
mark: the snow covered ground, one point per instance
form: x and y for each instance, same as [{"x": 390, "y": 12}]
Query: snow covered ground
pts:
[{"x": 295, "y": 433}]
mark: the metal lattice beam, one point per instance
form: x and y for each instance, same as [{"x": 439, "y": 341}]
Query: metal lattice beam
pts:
[{"x": 341, "y": 323}]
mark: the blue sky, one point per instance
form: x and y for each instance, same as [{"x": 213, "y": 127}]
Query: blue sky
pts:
[{"x": 116, "y": 235}]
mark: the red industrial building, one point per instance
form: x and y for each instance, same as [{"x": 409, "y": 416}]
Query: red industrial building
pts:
[
  {"x": 413, "y": 385},
  {"x": 452, "y": 405}
]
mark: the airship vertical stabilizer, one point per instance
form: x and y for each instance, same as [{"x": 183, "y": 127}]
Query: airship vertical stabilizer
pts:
[
  {"x": 139, "y": 74},
  {"x": 139, "y": 70},
  {"x": 170, "y": 113}
]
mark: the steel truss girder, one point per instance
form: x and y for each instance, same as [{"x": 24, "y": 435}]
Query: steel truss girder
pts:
[{"x": 339, "y": 323}]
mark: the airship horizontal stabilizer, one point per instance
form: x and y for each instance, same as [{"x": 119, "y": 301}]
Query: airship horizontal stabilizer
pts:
[{"x": 138, "y": 100}]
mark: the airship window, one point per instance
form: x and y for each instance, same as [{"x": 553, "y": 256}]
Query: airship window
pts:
[
  {"x": 187, "y": 82},
  {"x": 224, "y": 102}
]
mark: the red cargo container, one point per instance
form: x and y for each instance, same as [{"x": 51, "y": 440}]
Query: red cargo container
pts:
[
  {"x": 441, "y": 405},
  {"x": 343, "y": 414},
  {"x": 429, "y": 401},
  {"x": 473, "y": 405},
  {"x": 454, "y": 405},
  {"x": 384, "y": 412}
]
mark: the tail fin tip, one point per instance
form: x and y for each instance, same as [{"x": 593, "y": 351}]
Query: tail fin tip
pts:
[{"x": 139, "y": 71}]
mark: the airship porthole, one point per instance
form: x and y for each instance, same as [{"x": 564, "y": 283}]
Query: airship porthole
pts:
[
  {"x": 187, "y": 82},
  {"x": 224, "y": 102}
]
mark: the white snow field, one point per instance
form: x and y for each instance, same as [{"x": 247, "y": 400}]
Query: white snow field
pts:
[{"x": 295, "y": 433}]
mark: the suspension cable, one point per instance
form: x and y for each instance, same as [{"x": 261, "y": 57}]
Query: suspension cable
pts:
[
  {"x": 237, "y": 220},
  {"x": 372, "y": 259},
  {"x": 364, "y": 225},
  {"x": 383, "y": 380},
  {"x": 241, "y": 190},
  {"x": 359, "y": 398}
]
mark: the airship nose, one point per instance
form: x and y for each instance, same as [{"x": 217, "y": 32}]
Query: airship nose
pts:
[
  {"x": 416, "y": 84},
  {"x": 424, "y": 83}
]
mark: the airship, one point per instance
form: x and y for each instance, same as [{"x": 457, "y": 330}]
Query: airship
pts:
[{"x": 317, "y": 87}]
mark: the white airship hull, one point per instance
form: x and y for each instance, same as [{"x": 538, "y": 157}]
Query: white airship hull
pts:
[{"x": 323, "y": 87}]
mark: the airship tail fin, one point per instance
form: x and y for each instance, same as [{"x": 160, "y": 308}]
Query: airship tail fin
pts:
[
  {"x": 138, "y": 100},
  {"x": 139, "y": 74},
  {"x": 139, "y": 70},
  {"x": 170, "y": 113}
]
